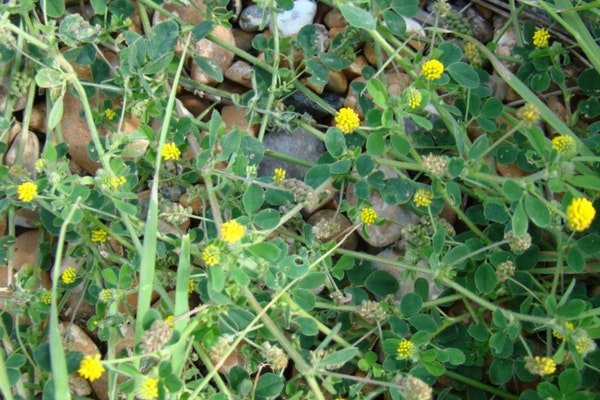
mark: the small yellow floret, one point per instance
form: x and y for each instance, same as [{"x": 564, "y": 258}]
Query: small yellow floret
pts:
[
  {"x": 423, "y": 198},
  {"x": 191, "y": 286},
  {"x": 540, "y": 365},
  {"x": 580, "y": 214},
  {"x": 170, "y": 151},
  {"x": 561, "y": 335},
  {"x": 414, "y": 98},
  {"x": 116, "y": 182},
  {"x": 46, "y": 297},
  {"x": 541, "y": 37},
  {"x": 347, "y": 120},
  {"x": 368, "y": 215},
  {"x": 232, "y": 231},
  {"x": 564, "y": 144},
  {"x": 279, "y": 176},
  {"x": 405, "y": 350},
  {"x": 27, "y": 191},
  {"x": 529, "y": 114},
  {"x": 99, "y": 236},
  {"x": 211, "y": 255},
  {"x": 91, "y": 368},
  {"x": 148, "y": 389},
  {"x": 110, "y": 114},
  {"x": 432, "y": 70},
  {"x": 68, "y": 276}
]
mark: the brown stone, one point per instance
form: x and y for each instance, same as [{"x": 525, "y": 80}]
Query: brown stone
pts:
[
  {"x": 396, "y": 82},
  {"x": 448, "y": 214},
  {"x": 333, "y": 32},
  {"x": 510, "y": 170},
  {"x": 312, "y": 86},
  {"x": 31, "y": 151},
  {"x": 240, "y": 72},
  {"x": 334, "y": 19},
  {"x": 195, "y": 204},
  {"x": 232, "y": 87},
  {"x": 558, "y": 108},
  {"x": 192, "y": 14},
  {"x": 194, "y": 104},
  {"x": 484, "y": 11},
  {"x": 27, "y": 218},
  {"x": 222, "y": 57},
  {"x": 355, "y": 69},
  {"x": 243, "y": 39},
  {"x": 236, "y": 116},
  {"x": 37, "y": 122},
  {"x": 338, "y": 83}
]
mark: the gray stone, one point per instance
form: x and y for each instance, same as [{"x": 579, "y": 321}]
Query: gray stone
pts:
[
  {"x": 322, "y": 38},
  {"x": 290, "y": 22},
  {"x": 302, "y": 104},
  {"x": 482, "y": 29},
  {"x": 297, "y": 144},
  {"x": 252, "y": 17}
]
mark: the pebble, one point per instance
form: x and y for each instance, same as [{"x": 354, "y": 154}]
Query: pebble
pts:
[
  {"x": 194, "y": 104},
  {"x": 338, "y": 83},
  {"x": 334, "y": 19},
  {"x": 209, "y": 49},
  {"x": 482, "y": 28},
  {"x": 341, "y": 221},
  {"x": 297, "y": 144},
  {"x": 406, "y": 286},
  {"x": 240, "y": 72},
  {"x": 355, "y": 69},
  {"x": 252, "y": 17},
  {"x": 290, "y": 22},
  {"x": 243, "y": 40},
  {"x": 31, "y": 152},
  {"x": 236, "y": 116},
  {"x": 396, "y": 82},
  {"x": 322, "y": 38},
  {"x": 191, "y": 14},
  {"x": 302, "y": 104}
]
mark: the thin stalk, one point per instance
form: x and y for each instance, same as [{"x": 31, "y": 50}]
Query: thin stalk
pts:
[
  {"x": 479, "y": 385},
  {"x": 274, "y": 77},
  {"x": 4, "y": 382},
  {"x": 500, "y": 140}
]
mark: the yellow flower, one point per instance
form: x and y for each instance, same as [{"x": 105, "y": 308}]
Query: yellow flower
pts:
[
  {"x": 529, "y": 113},
  {"x": 191, "y": 286},
  {"x": 432, "y": 70},
  {"x": 99, "y": 236},
  {"x": 232, "y": 231},
  {"x": 472, "y": 53},
  {"x": 170, "y": 319},
  {"x": 564, "y": 144},
  {"x": 368, "y": 215},
  {"x": 580, "y": 214},
  {"x": 27, "y": 191},
  {"x": 211, "y": 255},
  {"x": 46, "y": 297},
  {"x": 422, "y": 198},
  {"x": 40, "y": 164},
  {"x": 106, "y": 295},
  {"x": 583, "y": 344},
  {"x": 278, "y": 176},
  {"x": 414, "y": 98},
  {"x": 540, "y": 365},
  {"x": 405, "y": 350},
  {"x": 562, "y": 334},
  {"x": 170, "y": 152},
  {"x": 109, "y": 113},
  {"x": 116, "y": 182},
  {"x": 347, "y": 120},
  {"x": 91, "y": 368},
  {"x": 68, "y": 276},
  {"x": 541, "y": 37},
  {"x": 148, "y": 389}
]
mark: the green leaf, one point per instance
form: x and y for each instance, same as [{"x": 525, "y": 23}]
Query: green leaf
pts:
[
  {"x": 267, "y": 219},
  {"x": 455, "y": 356},
  {"x": 99, "y": 6},
  {"x": 358, "y": 17},
  {"x": 209, "y": 67},
  {"x": 451, "y": 53},
  {"x": 381, "y": 283},
  {"x": 201, "y": 30},
  {"x": 394, "y": 22},
  {"x": 254, "y": 197},
  {"x": 407, "y": 8},
  {"x": 575, "y": 260},
  {"x": 340, "y": 357},
  {"x": 48, "y": 78},
  {"x": 410, "y": 304},
  {"x": 495, "y": 212},
  {"x": 537, "y": 211},
  {"x": 589, "y": 244},
  {"x": 162, "y": 39},
  {"x": 304, "y": 298},
  {"x": 520, "y": 222},
  {"x": 421, "y": 121},
  {"x": 364, "y": 164},
  {"x": 464, "y": 75},
  {"x": 332, "y": 61},
  {"x": 485, "y": 278},
  {"x": 55, "y": 8},
  {"x": 377, "y": 90},
  {"x": 316, "y": 176},
  {"x": 478, "y": 147},
  {"x": 335, "y": 142},
  {"x": 492, "y": 108},
  {"x": 376, "y": 143},
  {"x": 500, "y": 371},
  {"x": 569, "y": 380},
  {"x": 591, "y": 182},
  {"x": 512, "y": 190},
  {"x": 269, "y": 385},
  {"x": 56, "y": 113},
  {"x": 265, "y": 250},
  {"x": 308, "y": 326}
]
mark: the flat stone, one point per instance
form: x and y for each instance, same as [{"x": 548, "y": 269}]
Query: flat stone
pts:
[
  {"x": 290, "y": 22},
  {"x": 206, "y": 48},
  {"x": 338, "y": 83},
  {"x": 192, "y": 14},
  {"x": 252, "y": 17},
  {"x": 298, "y": 144},
  {"x": 243, "y": 40},
  {"x": 240, "y": 72},
  {"x": 235, "y": 116},
  {"x": 31, "y": 152},
  {"x": 334, "y": 19},
  {"x": 302, "y": 104},
  {"x": 482, "y": 28}
]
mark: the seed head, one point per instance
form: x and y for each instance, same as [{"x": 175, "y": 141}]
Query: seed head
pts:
[
  {"x": 412, "y": 388},
  {"x": 518, "y": 244},
  {"x": 160, "y": 332},
  {"x": 275, "y": 356},
  {"x": 435, "y": 165},
  {"x": 371, "y": 311},
  {"x": 529, "y": 114},
  {"x": 540, "y": 365},
  {"x": 505, "y": 270}
]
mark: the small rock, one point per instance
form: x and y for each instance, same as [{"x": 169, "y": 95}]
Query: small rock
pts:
[
  {"x": 334, "y": 19},
  {"x": 396, "y": 218},
  {"x": 195, "y": 203},
  {"x": 240, "y": 72},
  {"x": 27, "y": 218},
  {"x": 322, "y": 38},
  {"x": 325, "y": 198},
  {"x": 235, "y": 116},
  {"x": 79, "y": 386},
  {"x": 232, "y": 87},
  {"x": 222, "y": 57},
  {"x": 558, "y": 108},
  {"x": 243, "y": 40},
  {"x": 406, "y": 285},
  {"x": 330, "y": 225},
  {"x": 482, "y": 29},
  {"x": 505, "y": 45},
  {"x": 484, "y": 11},
  {"x": 315, "y": 88},
  {"x": 510, "y": 170},
  {"x": 252, "y": 18},
  {"x": 31, "y": 151},
  {"x": 192, "y": 14},
  {"x": 396, "y": 82},
  {"x": 333, "y": 32},
  {"x": 290, "y": 22},
  {"x": 194, "y": 104},
  {"x": 302, "y": 104},
  {"x": 37, "y": 123},
  {"x": 338, "y": 83},
  {"x": 172, "y": 192},
  {"x": 297, "y": 144},
  {"x": 355, "y": 69}
]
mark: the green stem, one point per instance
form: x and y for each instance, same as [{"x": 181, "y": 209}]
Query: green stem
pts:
[
  {"x": 482, "y": 386},
  {"x": 274, "y": 77}
]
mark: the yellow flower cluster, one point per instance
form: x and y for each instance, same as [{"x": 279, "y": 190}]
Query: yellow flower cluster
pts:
[
  {"x": 91, "y": 368},
  {"x": 27, "y": 191},
  {"x": 529, "y": 114},
  {"x": 46, "y": 297},
  {"x": 148, "y": 389},
  {"x": 472, "y": 53},
  {"x": 432, "y": 70},
  {"x": 368, "y": 215},
  {"x": 191, "y": 286},
  {"x": 584, "y": 345},
  {"x": 211, "y": 255},
  {"x": 232, "y": 231},
  {"x": 279, "y": 176},
  {"x": 170, "y": 151},
  {"x": 99, "y": 236},
  {"x": 414, "y": 98},
  {"x": 405, "y": 350},
  {"x": 561, "y": 335},
  {"x": 110, "y": 114},
  {"x": 564, "y": 144},
  {"x": 68, "y": 276},
  {"x": 423, "y": 198},
  {"x": 540, "y": 365},
  {"x": 347, "y": 120},
  {"x": 116, "y": 182},
  {"x": 106, "y": 295},
  {"x": 580, "y": 214},
  {"x": 541, "y": 37}
]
